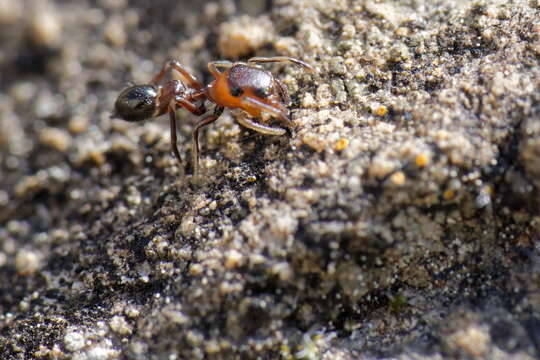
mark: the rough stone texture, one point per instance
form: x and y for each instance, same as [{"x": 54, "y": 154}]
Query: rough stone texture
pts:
[{"x": 399, "y": 221}]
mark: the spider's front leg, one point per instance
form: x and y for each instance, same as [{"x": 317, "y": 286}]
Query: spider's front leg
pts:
[
  {"x": 188, "y": 78},
  {"x": 282, "y": 59},
  {"x": 278, "y": 112},
  {"x": 215, "y": 65},
  {"x": 244, "y": 120}
]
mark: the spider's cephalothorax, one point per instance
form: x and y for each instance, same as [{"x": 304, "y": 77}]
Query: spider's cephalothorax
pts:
[{"x": 247, "y": 80}]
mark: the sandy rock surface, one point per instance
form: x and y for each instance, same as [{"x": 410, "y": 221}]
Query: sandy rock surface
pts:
[{"x": 399, "y": 221}]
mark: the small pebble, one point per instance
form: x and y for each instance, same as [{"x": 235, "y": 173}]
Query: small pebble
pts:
[
  {"x": 120, "y": 326},
  {"x": 46, "y": 28},
  {"x": 27, "y": 262},
  {"x": 74, "y": 340},
  {"x": 78, "y": 124},
  {"x": 398, "y": 178},
  {"x": 115, "y": 32},
  {"x": 57, "y": 139},
  {"x": 233, "y": 259},
  {"x": 243, "y": 36}
]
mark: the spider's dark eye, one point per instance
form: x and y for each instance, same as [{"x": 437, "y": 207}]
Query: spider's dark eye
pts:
[
  {"x": 136, "y": 103},
  {"x": 262, "y": 92},
  {"x": 236, "y": 91}
]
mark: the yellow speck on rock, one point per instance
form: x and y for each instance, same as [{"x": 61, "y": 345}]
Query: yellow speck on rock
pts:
[
  {"x": 448, "y": 194},
  {"x": 342, "y": 144},
  {"x": 381, "y": 110},
  {"x": 421, "y": 160}
]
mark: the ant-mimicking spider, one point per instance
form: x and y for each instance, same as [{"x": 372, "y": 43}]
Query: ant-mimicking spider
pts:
[{"x": 243, "y": 86}]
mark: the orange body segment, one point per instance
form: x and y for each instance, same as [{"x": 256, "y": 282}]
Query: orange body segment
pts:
[{"x": 219, "y": 92}]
